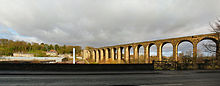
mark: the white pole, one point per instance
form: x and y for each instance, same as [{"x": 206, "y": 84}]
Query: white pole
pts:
[{"x": 74, "y": 56}]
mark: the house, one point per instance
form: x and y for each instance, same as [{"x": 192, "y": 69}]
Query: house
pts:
[{"x": 52, "y": 53}]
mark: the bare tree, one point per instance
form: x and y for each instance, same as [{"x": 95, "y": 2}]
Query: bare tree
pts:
[
  {"x": 210, "y": 47},
  {"x": 215, "y": 26},
  {"x": 214, "y": 47}
]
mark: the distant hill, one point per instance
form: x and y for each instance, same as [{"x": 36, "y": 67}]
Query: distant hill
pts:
[{"x": 8, "y": 47}]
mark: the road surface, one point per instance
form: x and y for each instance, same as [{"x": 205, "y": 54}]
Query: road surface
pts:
[{"x": 132, "y": 78}]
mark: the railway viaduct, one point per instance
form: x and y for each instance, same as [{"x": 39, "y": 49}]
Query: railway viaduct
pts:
[{"x": 114, "y": 53}]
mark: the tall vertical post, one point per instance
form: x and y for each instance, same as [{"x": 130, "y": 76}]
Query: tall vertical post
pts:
[{"x": 74, "y": 56}]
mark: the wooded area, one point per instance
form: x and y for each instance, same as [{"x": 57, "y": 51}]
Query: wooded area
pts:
[{"x": 8, "y": 47}]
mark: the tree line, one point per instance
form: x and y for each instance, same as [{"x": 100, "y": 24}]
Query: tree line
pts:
[{"x": 8, "y": 47}]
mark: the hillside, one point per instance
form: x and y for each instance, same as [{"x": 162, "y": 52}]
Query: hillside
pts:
[{"x": 8, "y": 47}]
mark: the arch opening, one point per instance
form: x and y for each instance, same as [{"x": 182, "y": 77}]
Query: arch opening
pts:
[
  {"x": 153, "y": 52},
  {"x": 141, "y": 58},
  {"x": 109, "y": 53},
  {"x": 103, "y": 55},
  {"x": 167, "y": 52},
  {"x": 131, "y": 54},
  {"x": 206, "y": 51},
  {"x": 185, "y": 52}
]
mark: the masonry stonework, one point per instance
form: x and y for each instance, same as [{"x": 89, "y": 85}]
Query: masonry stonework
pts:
[{"x": 114, "y": 53}]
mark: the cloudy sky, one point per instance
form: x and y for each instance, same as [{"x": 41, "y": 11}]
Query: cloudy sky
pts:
[{"x": 100, "y": 23}]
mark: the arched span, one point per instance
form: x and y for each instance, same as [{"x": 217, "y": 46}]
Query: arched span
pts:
[
  {"x": 210, "y": 38},
  {"x": 108, "y": 50},
  {"x": 103, "y": 55},
  {"x": 93, "y": 55},
  {"x": 185, "y": 52},
  {"x": 206, "y": 50},
  {"x": 131, "y": 54},
  {"x": 151, "y": 44},
  {"x": 178, "y": 43},
  {"x": 167, "y": 52},
  {"x": 153, "y": 52},
  {"x": 164, "y": 43},
  {"x": 122, "y": 53},
  {"x": 141, "y": 58},
  {"x": 150, "y": 49}
]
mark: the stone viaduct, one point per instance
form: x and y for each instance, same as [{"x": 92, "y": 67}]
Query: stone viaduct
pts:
[{"x": 114, "y": 53}]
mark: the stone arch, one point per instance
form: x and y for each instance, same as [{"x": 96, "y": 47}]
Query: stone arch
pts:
[
  {"x": 214, "y": 39},
  {"x": 153, "y": 52},
  {"x": 185, "y": 51},
  {"x": 109, "y": 51},
  {"x": 178, "y": 43},
  {"x": 97, "y": 55},
  {"x": 167, "y": 51},
  {"x": 102, "y": 55},
  {"x": 122, "y": 54},
  {"x": 93, "y": 55},
  {"x": 115, "y": 53},
  {"x": 204, "y": 54},
  {"x": 131, "y": 54},
  {"x": 112, "y": 54},
  {"x": 141, "y": 58}
]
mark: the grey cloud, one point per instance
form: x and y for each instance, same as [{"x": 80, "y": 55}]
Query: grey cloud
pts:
[{"x": 107, "y": 22}]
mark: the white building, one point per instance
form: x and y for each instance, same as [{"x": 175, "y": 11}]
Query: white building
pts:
[{"x": 52, "y": 53}]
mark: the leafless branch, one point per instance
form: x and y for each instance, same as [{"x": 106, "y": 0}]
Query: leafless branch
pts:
[
  {"x": 215, "y": 28},
  {"x": 210, "y": 47}
]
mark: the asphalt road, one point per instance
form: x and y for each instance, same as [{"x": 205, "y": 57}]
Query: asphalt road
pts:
[{"x": 136, "y": 78}]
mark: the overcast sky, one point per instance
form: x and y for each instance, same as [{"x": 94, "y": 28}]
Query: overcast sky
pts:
[{"x": 100, "y": 23}]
